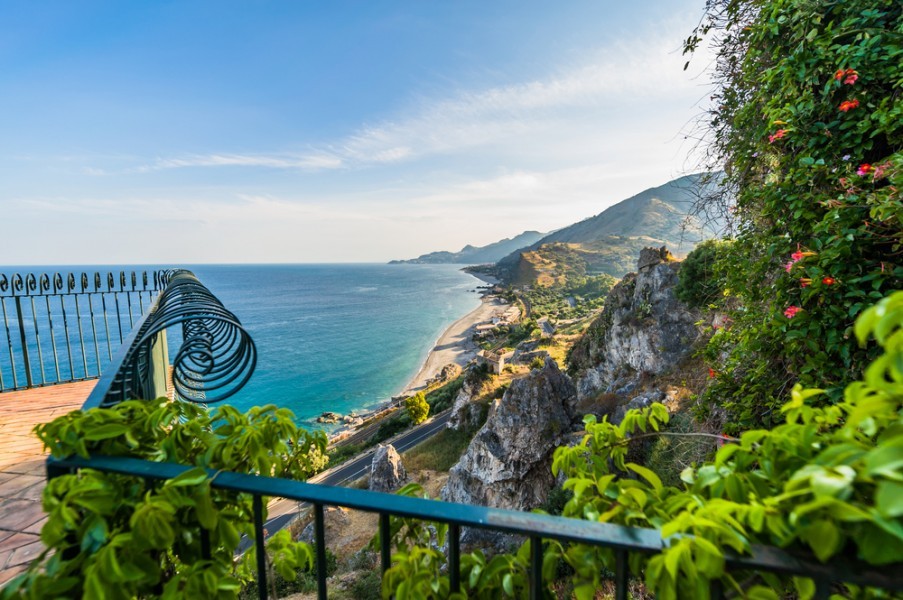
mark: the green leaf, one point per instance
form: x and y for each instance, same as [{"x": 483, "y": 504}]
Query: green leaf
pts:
[
  {"x": 585, "y": 591},
  {"x": 805, "y": 587},
  {"x": 508, "y": 584},
  {"x": 189, "y": 478},
  {"x": 760, "y": 592},
  {"x": 889, "y": 498},
  {"x": 648, "y": 475},
  {"x": 824, "y": 538}
]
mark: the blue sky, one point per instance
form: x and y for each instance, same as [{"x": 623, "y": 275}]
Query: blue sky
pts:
[{"x": 186, "y": 132}]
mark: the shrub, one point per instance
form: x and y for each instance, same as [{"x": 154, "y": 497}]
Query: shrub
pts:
[
  {"x": 116, "y": 536},
  {"x": 417, "y": 407}
]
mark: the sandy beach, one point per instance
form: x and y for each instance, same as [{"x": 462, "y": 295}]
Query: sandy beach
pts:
[{"x": 455, "y": 345}]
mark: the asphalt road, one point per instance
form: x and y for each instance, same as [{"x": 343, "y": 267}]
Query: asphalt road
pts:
[{"x": 283, "y": 511}]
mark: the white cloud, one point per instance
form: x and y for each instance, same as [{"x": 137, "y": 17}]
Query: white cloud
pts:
[{"x": 303, "y": 162}]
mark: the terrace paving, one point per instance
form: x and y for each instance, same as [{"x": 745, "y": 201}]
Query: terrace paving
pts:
[{"x": 22, "y": 475}]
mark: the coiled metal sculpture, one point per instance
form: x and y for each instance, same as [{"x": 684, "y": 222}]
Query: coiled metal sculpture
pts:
[{"x": 217, "y": 355}]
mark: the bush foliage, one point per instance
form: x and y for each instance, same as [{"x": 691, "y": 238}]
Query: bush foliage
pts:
[{"x": 112, "y": 536}]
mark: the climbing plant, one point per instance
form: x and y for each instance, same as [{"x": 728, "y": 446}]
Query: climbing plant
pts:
[
  {"x": 114, "y": 536},
  {"x": 807, "y": 122}
]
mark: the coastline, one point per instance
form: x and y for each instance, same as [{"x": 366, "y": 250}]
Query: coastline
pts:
[{"x": 455, "y": 345}]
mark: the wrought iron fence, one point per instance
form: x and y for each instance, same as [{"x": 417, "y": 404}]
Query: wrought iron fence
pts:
[
  {"x": 209, "y": 328},
  {"x": 60, "y": 327}
]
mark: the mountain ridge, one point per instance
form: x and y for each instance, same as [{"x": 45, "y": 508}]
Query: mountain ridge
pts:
[
  {"x": 609, "y": 241},
  {"x": 473, "y": 255}
]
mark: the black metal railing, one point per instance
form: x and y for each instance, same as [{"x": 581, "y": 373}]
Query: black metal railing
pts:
[
  {"x": 216, "y": 346},
  {"x": 59, "y": 328}
]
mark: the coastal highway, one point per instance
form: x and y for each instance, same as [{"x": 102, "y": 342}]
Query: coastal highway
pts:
[{"x": 283, "y": 511}]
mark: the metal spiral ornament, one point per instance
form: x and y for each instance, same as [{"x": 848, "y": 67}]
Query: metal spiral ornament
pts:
[{"x": 217, "y": 356}]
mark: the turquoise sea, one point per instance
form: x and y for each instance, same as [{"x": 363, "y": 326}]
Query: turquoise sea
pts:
[
  {"x": 338, "y": 337},
  {"x": 330, "y": 337}
]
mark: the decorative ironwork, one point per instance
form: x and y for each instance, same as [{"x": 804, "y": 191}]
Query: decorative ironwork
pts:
[
  {"x": 216, "y": 357},
  {"x": 61, "y": 327}
]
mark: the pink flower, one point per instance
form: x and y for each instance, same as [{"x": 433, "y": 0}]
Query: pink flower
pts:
[
  {"x": 791, "y": 311},
  {"x": 788, "y": 266},
  {"x": 848, "y": 105}
]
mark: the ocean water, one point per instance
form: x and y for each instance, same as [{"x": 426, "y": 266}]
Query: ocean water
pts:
[{"x": 338, "y": 337}]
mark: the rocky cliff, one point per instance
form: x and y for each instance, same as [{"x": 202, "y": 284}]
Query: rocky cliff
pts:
[
  {"x": 643, "y": 330},
  {"x": 507, "y": 465}
]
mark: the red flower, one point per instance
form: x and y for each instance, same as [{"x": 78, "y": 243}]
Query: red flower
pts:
[
  {"x": 864, "y": 169},
  {"x": 791, "y": 311},
  {"x": 828, "y": 280},
  {"x": 850, "y": 74},
  {"x": 777, "y": 135},
  {"x": 712, "y": 373},
  {"x": 805, "y": 282},
  {"x": 848, "y": 105},
  {"x": 797, "y": 256}
]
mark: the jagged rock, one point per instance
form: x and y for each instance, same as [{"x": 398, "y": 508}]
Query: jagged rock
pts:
[
  {"x": 466, "y": 412},
  {"x": 643, "y": 330},
  {"x": 329, "y": 417},
  {"x": 507, "y": 465},
  {"x": 387, "y": 473},
  {"x": 649, "y": 257},
  {"x": 641, "y": 401}
]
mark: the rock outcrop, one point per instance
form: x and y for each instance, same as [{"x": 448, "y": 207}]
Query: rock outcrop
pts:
[
  {"x": 643, "y": 330},
  {"x": 387, "y": 473},
  {"x": 467, "y": 412},
  {"x": 507, "y": 465}
]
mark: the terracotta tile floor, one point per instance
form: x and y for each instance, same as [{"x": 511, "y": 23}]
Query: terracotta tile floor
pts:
[{"x": 22, "y": 468}]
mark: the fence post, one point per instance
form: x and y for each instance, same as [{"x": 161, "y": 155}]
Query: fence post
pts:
[{"x": 25, "y": 358}]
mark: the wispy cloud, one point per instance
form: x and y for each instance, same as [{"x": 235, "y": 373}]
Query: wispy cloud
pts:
[
  {"x": 302, "y": 162},
  {"x": 574, "y": 101}
]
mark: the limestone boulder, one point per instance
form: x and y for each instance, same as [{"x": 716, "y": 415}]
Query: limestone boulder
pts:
[{"x": 387, "y": 473}]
